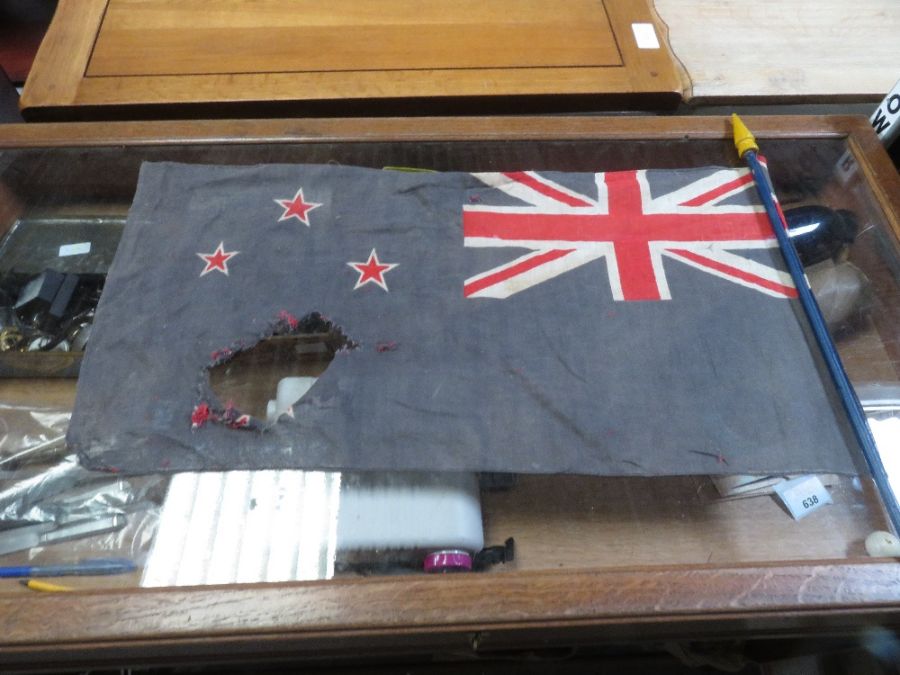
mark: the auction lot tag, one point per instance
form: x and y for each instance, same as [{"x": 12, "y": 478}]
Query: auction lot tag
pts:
[{"x": 803, "y": 495}]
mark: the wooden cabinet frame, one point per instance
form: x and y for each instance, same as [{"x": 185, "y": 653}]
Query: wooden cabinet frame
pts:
[
  {"x": 470, "y": 613},
  {"x": 61, "y": 84}
]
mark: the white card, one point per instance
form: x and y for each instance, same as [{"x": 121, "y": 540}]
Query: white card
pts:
[
  {"x": 803, "y": 495},
  {"x": 645, "y": 35},
  {"x": 75, "y": 249},
  {"x": 846, "y": 167}
]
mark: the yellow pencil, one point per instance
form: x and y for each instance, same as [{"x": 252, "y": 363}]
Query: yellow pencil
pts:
[{"x": 44, "y": 586}]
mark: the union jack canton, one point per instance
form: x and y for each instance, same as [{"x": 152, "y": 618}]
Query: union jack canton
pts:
[{"x": 629, "y": 226}]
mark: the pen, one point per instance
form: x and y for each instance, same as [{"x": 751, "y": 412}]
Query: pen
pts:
[{"x": 90, "y": 567}]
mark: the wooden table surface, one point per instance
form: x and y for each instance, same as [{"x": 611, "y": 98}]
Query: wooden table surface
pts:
[
  {"x": 105, "y": 55},
  {"x": 775, "y": 51},
  {"x": 142, "y": 59}
]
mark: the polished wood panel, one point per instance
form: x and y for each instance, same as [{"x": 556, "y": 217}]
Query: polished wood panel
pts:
[
  {"x": 100, "y": 56},
  {"x": 395, "y": 129},
  {"x": 197, "y": 38},
  {"x": 471, "y": 612},
  {"x": 65, "y": 51},
  {"x": 577, "y": 522}
]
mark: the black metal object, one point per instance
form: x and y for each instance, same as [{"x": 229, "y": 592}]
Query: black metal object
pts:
[
  {"x": 9, "y": 101},
  {"x": 494, "y": 555},
  {"x": 819, "y": 233}
]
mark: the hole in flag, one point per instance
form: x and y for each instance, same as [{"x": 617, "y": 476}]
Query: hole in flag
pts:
[{"x": 258, "y": 384}]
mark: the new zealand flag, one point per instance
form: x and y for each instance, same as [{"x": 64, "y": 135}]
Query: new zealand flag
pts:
[{"x": 637, "y": 322}]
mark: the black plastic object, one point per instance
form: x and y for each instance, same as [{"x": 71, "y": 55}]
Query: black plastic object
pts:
[
  {"x": 46, "y": 298},
  {"x": 64, "y": 296},
  {"x": 39, "y": 293},
  {"x": 819, "y": 233},
  {"x": 494, "y": 555},
  {"x": 9, "y": 100}
]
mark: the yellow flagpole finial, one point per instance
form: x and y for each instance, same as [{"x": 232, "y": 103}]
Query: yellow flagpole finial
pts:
[{"x": 743, "y": 138}]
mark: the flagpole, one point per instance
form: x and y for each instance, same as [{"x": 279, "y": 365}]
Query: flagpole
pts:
[{"x": 747, "y": 148}]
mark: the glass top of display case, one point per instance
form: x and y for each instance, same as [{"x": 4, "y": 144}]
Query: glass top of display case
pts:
[{"x": 65, "y": 196}]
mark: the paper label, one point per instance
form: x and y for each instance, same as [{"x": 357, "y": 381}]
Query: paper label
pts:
[
  {"x": 846, "y": 167},
  {"x": 645, "y": 35},
  {"x": 75, "y": 249},
  {"x": 803, "y": 495}
]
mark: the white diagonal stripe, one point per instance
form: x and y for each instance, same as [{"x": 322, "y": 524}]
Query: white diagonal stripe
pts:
[
  {"x": 744, "y": 264},
  {"x": 528, "y": 194},
  {"x": 534, "y": 276}
]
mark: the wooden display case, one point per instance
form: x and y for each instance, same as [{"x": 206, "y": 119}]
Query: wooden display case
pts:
[{"x": 599, "y": 559}]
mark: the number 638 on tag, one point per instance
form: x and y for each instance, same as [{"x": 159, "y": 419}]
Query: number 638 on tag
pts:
[{"x": 803, "y": 495}]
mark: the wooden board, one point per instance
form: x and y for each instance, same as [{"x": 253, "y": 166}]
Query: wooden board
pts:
[
  {"x": 100, "y": 55},
  {"x": 770, "y": 50},
  {"x": 191, "y": 38}
]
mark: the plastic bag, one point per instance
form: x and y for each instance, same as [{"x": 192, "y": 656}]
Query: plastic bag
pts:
[{"x": 53, "y": 510}]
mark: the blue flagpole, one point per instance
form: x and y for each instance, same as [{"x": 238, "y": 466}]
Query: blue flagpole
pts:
[{"x": 747, "y": 149}]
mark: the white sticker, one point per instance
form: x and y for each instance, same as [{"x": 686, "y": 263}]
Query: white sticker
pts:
[
  {"x": 845, "y": 167},
  {"x": 75, "y": 249},
  {"x": 803, "y": 495},
  {"x": 645, "y": 35}
]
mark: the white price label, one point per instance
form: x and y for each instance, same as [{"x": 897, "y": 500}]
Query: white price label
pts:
[
  {"x": 803, "y": 495},
  {"x": 645, "y": 35},
  {"x": 74, "y": 249},
  {"x": 846, "y": 167}
]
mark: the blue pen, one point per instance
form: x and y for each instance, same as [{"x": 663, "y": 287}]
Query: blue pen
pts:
[{"x": 89, "y": 567}]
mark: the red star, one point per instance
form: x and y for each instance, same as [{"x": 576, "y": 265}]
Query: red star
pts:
[
  {"x": 217, "y": 260},
  {"x": 296, "y": 208},
  {"x": 372, "y": 270}
]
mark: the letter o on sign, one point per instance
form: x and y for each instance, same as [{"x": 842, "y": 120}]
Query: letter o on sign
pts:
[{"x": 893, "y": 104}]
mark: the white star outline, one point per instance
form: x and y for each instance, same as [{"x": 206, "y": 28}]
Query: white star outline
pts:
[
  {"x": 379, "y": 281},
  {"x": 220, "y": 251},
  {"x": 287, "y": 216}
]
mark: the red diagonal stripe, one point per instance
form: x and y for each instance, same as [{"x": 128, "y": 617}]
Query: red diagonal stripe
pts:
[
  {"x": 731, "y": 271},
  {"x": 725, "y": 188},
  {"x": 546, "y": 190},
  {"x": 509, "y": 272}
]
